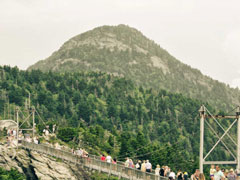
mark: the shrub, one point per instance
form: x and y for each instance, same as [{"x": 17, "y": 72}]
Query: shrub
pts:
[{"x": 67, "y": 134}]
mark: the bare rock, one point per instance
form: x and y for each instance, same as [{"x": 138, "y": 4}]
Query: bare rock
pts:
[{"x": 38, "y": 166}]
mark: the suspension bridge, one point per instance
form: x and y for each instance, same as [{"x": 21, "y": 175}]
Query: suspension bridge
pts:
[{"x": 94, "y": 162}]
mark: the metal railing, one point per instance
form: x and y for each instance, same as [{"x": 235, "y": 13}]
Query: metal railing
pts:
[{"x": 93, "y": 163}]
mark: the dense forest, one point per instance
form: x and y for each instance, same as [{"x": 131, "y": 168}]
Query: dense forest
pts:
[{"x": 107, "y": 114}]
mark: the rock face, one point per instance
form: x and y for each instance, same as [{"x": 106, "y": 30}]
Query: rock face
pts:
[
  {"x": 39, "y": 166},
  {"x": 9, "y": 124}
]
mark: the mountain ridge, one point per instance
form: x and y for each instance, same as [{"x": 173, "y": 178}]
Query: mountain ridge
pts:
[{"x": 125, "y": 51}]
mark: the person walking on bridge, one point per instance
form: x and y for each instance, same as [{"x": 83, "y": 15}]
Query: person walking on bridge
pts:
[
  {"x": 185, "y": 176},
  {"x": 109, "y": 159},
  {"x": 131, "y": 164},
  {"x": 148, "y": 167},
  {"x": 201, "y": 176},
  {"x": 218, "y": 175},
  {"x": 212, "y": 171},
  {"x": 162, "y": 171},
  {"x": 138, "y": 165},
  {"x": 231, "y": 175},
  {"x": 180, "y": 175},
  {"x": 103, "y": 158},
  {"x": 172, "y": 175},
  {"x": 126, "y": 164},
  {"x": 157, "y": 170},
  {"x": 143, "y": 166}
]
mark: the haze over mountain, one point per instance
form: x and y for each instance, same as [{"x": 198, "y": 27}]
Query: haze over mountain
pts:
[{"x": 124, "y": 51}]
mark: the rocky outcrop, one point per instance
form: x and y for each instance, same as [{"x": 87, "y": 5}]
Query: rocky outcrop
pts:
[
  {"x": 8, "y": 124},
  {"x": 39, "y": 166}
]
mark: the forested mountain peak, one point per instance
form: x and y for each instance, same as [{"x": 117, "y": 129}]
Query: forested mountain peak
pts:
[{"x": 125, "y": 51}]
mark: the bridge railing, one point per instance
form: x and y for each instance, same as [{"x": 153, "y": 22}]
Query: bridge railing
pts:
[{"x": 93, "y": 162}]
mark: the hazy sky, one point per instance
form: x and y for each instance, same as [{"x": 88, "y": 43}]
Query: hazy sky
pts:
[{"x": 202, "y": 33}]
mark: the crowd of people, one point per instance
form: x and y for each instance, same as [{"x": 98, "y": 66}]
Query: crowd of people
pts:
[
  {"x": 216, "y": 173},
  {"x": 145, "y": 166},
  {"x": 11, "y": 137},
  {"x": 164, "y": 171},
  {"x": 80, "y": 152}
]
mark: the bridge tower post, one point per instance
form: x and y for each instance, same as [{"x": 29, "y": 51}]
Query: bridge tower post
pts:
[
  {"x": 202, "y": 118},
  {"x": 33, "y": 119},
  {"x": 17, "y": 112},
  {"x": 238, "y": 138}
]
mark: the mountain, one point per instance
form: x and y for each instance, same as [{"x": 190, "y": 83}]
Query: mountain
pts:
[{"x": 125, "y": 51}]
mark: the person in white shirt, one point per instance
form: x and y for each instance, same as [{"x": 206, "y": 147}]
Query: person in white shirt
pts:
[
  {"x": 126, "y": 164},
  {"x": 148, "y": 166},
  {"x": 157, "y": 170},
  {"x": 172, "y": 175},
  {"x": 46, "y": 133},
  {"x": 212, "y": 171},
  {"x": 28, "y": 139},
  {"x": 35, "y": 140},
  {"x": 79, "y": 152},
  {"x": 218, "y": 175},
  {"x": 14, "y": 133},
  {"x": 9, "y": 132},
  {"x": 109, "y": 159},
  {"x": 54, "y": 128}
]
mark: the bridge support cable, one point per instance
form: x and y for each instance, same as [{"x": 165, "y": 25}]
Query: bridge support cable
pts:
[
  {"x": 224, "y": 144},
  {"x": 220, "y": 139},
  {"x": 204, "y": 113},
  {"x": 232, "y": 117}
]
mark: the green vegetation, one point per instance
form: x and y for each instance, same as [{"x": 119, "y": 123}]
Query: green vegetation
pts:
[
  {"x": 107, "y": 114},
  {"x": 124, "y": 51},
  {"x": 3, "y": 134},
  {"x": 67, "y": 134},
  {"x": 102, "y": 176},
  {"x": 11, "y": 175}
]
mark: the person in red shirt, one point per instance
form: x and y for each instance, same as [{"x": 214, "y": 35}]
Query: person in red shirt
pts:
[{"x": 103, "y": 158}]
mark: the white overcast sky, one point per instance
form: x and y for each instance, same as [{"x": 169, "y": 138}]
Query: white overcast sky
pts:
[{"x": 202, "y": 33}]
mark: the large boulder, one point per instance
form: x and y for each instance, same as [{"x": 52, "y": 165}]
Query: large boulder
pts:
[
  {"x": 8, "y": 124},
  {"x": 39, "y": 166}
]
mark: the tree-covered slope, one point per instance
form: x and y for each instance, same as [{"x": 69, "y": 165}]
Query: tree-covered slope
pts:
[
  {"x": 124, "y": 51},
  {"x": 111, "y": 114}
]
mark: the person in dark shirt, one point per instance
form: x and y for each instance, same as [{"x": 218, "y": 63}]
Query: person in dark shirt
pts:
[
  {"x": 185, "y": 176},
  {"x": 162, "y": 171},
  {"x": 179, "y": 175},
  {"x": 138, "y": 165}
]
